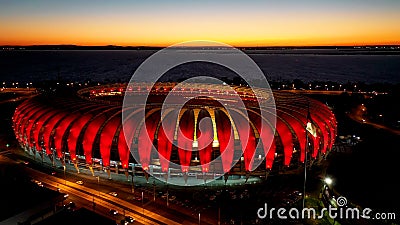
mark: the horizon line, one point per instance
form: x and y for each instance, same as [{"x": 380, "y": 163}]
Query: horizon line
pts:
[{"x": 159, "y": 46}]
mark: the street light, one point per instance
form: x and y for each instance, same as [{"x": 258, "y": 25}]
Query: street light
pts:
[
  {"x": 132, "y": 184},
  {"x": 154, "y": 190},
  {"x": 142, "y": 205},
  {"x": 327, "y": 189},
  {"x": 65, "y": 180},
  {"x": 167, "y": 198},
  {"x": 328, "y": 180},
  {"x": 98, "y": 185},
  {"x": 199, "y": 218}
]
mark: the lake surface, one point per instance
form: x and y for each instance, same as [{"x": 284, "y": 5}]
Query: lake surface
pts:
[{"x": 114, "y": 66}]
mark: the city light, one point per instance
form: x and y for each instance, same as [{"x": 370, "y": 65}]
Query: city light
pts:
[{"x": 328, "y": 181}]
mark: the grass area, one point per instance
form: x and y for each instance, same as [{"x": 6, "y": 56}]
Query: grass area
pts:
[{"x": 317, "y": 204}]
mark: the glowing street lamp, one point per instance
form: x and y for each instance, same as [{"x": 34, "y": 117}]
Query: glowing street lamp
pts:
[
  {"x": 328, "y": 181},
  {"x": 65, "y": 179},
  {"x": 98, "y": 186},
  {"x": 326, "y": 189},
  {"x": 142, "y": 204}
]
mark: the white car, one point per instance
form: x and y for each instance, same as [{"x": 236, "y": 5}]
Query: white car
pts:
[
  {"x": 79, "y": 182},
  {"x": 39, "y": 183},
  {"x": 113, "y": 193}
]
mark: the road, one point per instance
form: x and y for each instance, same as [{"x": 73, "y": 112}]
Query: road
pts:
[
  {"x": 101, "y": 199},
  {"x": 23, "y": 94},
  {"x": 315, "y": 92},
  {"x": 358, "y": 115},
  {"x": 181, "y": 214},
  {"x": 84, "y": 195}
]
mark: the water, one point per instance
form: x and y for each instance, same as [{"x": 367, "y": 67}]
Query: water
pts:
[{"x": 115, "y": 66}]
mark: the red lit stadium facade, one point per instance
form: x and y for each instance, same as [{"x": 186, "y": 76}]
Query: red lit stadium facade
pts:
[{"x": 87, "y": 131}]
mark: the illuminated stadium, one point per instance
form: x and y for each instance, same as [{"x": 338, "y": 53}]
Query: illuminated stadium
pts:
[{"x": 87, "y": 131}]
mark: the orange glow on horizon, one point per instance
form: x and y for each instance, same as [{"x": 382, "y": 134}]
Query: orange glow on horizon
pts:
[
  {"x": 234, "y": 42},
  {"x": 271, "y": 43},
  {"x": 46, "y": 37},
  {"x": 284, "y": 26}
]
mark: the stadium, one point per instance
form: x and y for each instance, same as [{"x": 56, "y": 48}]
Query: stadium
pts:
[{"x": 87, "y": 131}]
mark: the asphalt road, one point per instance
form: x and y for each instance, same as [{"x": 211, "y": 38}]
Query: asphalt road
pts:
[
  {"x": 152, "y": 212},
  {"x": 357, "y": 115},
  {"x": 84, "y": 197}
]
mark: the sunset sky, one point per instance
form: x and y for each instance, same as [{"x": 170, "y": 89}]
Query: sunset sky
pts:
[{"x": 238, "y": 23}]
